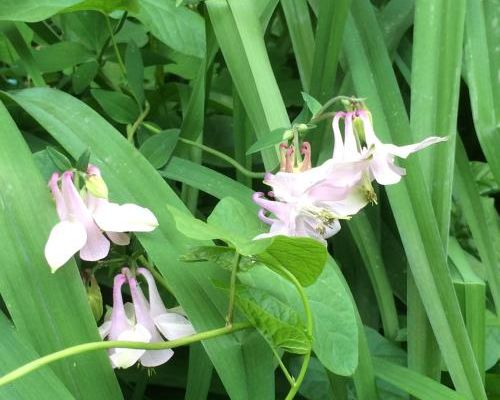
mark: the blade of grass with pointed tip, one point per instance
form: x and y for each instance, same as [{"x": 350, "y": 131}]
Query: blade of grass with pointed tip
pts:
[
  {"x": 49, "y": 310},
  {"x": 420, "y": 386},
  {"x": 240, "y": 38},
  {"x": 482, "y": 62},
  {"x": 372, "y": 72},
  {"x": 300, "y": 29},
  {"x": 368, "y": 246},
  {"x": 468, "y": 195},
  {"x": 131, "y": 178}
]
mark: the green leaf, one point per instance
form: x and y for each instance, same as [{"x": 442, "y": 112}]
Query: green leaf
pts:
[
  {"x": 83, "y": 161},
  {"x": 177, "y": 27},
  {"x": 159, "y": 148},
  {"x": 135, "y": 71},
  {"x": 312, "y": 104},
  {"x": 305, "y": 258},
  {"x": 118, "y": 106},
  {"x": 84, "y": 74},
  {"x": 413, "y": 383},
  {"x": 193, "y": 227},
  {"x": 239, "y": 33},
  {"x": 59, "y": 159},
  {"x": 60, "y": 56},
  {"x": 106, "y": 6},
  {"x": 49, "y": 310},
  {"x": 131, "y": 178},
  {"x": 40, "y": 385},
  {"x": 273, "y": 138},
  {"x": 32, "y": 10},
  {"x": 276, "y": 321}
]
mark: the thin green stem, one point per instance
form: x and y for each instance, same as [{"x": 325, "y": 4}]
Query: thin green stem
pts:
[
  {"x": 93, "y": 346},
  {"x": 309, "y": 326},
  {"x": 287, "y": 374},
  {"x": 133, "y": 129},
  {"x": 214, "y": 152},
  {"x": 232, "y": 289},
  {"x": 333, "y": 101},
  {"x": 115, "y": 46}
]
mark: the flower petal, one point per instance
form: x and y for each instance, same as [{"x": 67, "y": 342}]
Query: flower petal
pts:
[
  {"x": 119, "y": 320},
  {"x": 156, "y": 306},
  {"x": 405, "y": 151},
  {"x": 57, "y": 195},
  {"x": 383, "y": 169},
  {"x": 65, "y": 239},
  {"x": 97, "y": 246},
  {"x": 173, "y": 326},
  {"x": 104, "y": 329},
  {"x": 119, "y": 238},
  {"x": 125, "y": 358},
  {"x": 112, "y": 217},
  {"x": 338, "y": 145}
]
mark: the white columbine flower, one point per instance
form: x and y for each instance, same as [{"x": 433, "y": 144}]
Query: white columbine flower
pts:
[
  {"x": 355, "y": 147},
  {"x": 310, "y": 201},
  {"x": 85, "y": 218},
  {"x": 141, "y": 321}
]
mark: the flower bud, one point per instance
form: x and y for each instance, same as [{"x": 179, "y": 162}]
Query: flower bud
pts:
[
  {"x": 94, "y": 297},
  {"x": 287, "y": 135},
  {"x": 96, "y": 186}
]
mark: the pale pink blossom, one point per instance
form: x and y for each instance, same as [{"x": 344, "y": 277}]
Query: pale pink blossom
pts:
[
  {"x": 83, "y": 220},
  {"x": 141, "y": 321},
  {"x": 381, "y": 166}
]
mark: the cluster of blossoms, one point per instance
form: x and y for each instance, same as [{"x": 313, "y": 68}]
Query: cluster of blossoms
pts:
[
  {"x": 89, "y": 221},
  {"x": 310, "y": 201},
  {"x": 141, "y": 321}
]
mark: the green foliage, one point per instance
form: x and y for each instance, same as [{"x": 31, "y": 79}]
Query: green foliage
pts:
[{"x": 182, "y": 104}]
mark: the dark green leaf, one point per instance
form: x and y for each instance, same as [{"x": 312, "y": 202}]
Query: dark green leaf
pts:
[
  {"x": 60, "y": 56},
  {"x": 135, "y": 71},
  {"x": 106, "y": 6},
  {"x": 83, "y": 161},
  {"x": 313, "y": 104},
  {"x": 159, "y": 148},
  {"x": 178, "y": 27},
  {"x": 276, "y": 136},
  {"x": 32, "y": 10},
  {"x": 59, "y": 159},
  {"x": 84, "y": 74},
  {"x": 118, "y": 106}
]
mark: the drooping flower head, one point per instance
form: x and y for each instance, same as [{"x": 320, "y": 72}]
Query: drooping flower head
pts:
[
  {"x": 309, "y": 201},
  {"x": 358, "y": 142},
  {"x": 141, "y": 321},
  {"x": 88, "y": 222}
]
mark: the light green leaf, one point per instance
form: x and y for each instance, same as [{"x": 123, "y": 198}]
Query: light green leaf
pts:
[
  {"x": 177, "y": 27},
  {"x": 84, "y": 74},
  {"x": 32, "y": 10},
  {"x": 305, "y": 258},
  {"x": 159, "y": 148},
  {"x": 312, "y": 104},
  {"x": 106, "y": 6},
  {"x": 275, "y": 320},
  {"x": 273, "y": 138},
  {"x": 118, "y": 106}
]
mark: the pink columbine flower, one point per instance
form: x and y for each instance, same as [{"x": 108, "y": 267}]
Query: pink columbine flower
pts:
[
  {"x": 141, "y": 321},
  {"x": 381, "y": 166},
  {"x": 84, "y": 218},
  {"x": 310, "y": 201}
]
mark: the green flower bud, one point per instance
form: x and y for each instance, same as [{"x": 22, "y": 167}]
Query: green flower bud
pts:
[
  {"x": 96, "y": 186},
  {"x": 94, "y": 297}
]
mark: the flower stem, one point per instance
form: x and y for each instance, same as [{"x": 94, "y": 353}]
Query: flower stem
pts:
[
  {"x": 133, "y": 129},
  {"x": 232, "y": 289},
  {"x": 309, "y": 326},
  {"x": 287, "y": 374},
  {"x": 93, "y": 346},
  {"x": 115, "y": 47},
  {"x": 214, "y": 152}
]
